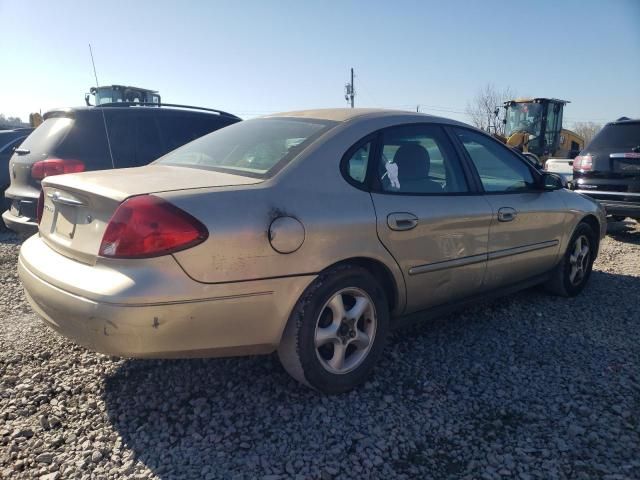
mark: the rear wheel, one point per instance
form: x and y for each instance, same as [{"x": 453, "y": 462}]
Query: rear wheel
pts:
[
  {"x": 4, "y": 206},
  {"x": 573, "y": 272},
  {"x": 337, "y": 330}
]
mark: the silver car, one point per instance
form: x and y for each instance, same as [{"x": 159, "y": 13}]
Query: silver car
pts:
[{"x": 310, "y": 233}]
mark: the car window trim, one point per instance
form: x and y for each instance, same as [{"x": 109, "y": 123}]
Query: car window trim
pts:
[{"x": 537, "y": 176}]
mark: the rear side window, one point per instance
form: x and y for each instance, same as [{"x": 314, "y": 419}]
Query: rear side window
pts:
[
  {"x": 357, "y": 163},
  {"x": 149, "y": 142},
  {"x": 122, "y": 135},
  {"x": 417, "y": 159},
  {"x": 180, "y": 128},
  {"x": 623, "y": 136},
  {"x": 44, "y": 139}
]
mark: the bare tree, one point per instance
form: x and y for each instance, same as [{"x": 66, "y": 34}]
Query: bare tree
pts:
[
  {"x": 482, "y": 109},
  {"x": 587, "y": 130}
]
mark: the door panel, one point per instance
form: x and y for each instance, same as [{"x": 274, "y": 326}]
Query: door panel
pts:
[
  {"x": 528, "y": 244},
  {"x": 527, "y": 221},
  {"x": 427, "y": 217},
  {"x": 443, "y": 258}
]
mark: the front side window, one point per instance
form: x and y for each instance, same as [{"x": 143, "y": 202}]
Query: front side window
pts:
[
  {"x": 417, "y": 159},
  {"x": 499, "y": 169},
  {"x": 255, "y": 147}
]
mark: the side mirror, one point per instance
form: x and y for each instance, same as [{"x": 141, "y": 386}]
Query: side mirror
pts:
[
  {"x": 552, "y": 181},
  {"x": 86, "y": 99}
]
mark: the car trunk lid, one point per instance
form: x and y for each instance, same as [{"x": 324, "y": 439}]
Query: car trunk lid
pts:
[{"x": 77, "y": 208}]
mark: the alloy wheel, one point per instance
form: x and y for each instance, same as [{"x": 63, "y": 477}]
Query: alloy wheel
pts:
[
  {"x": 345, "y": 330},
  {"x": 579, "y": 260}
]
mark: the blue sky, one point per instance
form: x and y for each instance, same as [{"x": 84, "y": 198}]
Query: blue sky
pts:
[{"x": 255, "y": 57}]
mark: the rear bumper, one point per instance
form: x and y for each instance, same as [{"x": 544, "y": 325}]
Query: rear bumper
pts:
[
  {"x": 19, "y": 224},
  {"x": 214, "y": 320},
  {"x": 617, "y": 203}
]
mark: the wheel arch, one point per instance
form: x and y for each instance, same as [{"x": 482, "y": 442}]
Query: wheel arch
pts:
[
  {"x": 382, "y": 273},
  {"x": 594, "y": 223}
]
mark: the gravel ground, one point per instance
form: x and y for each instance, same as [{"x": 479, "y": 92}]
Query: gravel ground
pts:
[{"x": 531, "y": 386}]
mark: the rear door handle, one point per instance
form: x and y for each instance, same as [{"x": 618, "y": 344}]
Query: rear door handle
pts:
[
  {"x": 402, "y": 221},
  {"x": 506, "y": 214}
]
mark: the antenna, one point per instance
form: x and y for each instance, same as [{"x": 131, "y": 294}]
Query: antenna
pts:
[{"x": 104, "y": 117}]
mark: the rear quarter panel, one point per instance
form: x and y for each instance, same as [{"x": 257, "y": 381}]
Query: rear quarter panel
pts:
[{"x": 339, "y": 220}]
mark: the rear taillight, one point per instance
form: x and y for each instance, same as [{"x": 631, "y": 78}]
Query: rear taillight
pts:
[
  {"x": 55, "y": 166},
  {"x": 148, "y": 226},
  {"x": 583, "y": 162},
  {"x": 40, "y": 206}
]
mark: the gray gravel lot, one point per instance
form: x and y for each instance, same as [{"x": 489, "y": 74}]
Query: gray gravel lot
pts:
[{"x": 530, "y": 386}]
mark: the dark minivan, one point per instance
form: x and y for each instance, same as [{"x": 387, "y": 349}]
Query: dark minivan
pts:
[
  {"x": 608, "y": 169},
  {"x": 74, "y": 140}
]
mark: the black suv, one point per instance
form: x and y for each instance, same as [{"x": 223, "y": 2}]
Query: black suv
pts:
[
  {"x": 608, "y": 169},
  {"x": 74, "y": 140}
]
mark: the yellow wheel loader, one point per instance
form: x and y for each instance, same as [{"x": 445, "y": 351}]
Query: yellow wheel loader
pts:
[{"x": 534, "y": 126}]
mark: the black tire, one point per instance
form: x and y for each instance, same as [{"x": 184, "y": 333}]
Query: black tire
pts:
[
  {"x": 297, "y": 351},
  {"x": 561, "y": 282},
  {"x": 4, "y": 206}
]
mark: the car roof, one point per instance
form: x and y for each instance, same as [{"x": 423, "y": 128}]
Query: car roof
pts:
[
  {"x": 624, "y": 121},
  {"x": 347, "y": 114},
  {"x": 151, "y": 110}
]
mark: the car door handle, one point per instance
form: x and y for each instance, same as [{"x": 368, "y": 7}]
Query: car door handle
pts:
[
  {"x": 506, "y": 214},
  {"x": 402, "y": 221}
]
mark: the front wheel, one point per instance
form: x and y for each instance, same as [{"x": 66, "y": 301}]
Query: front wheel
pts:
[
  {"x": 573, "y": 271},
  {"x": 337, "y": 330}
]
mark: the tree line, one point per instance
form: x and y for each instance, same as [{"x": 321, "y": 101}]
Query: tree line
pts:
[{"x": 11, "y": 122}]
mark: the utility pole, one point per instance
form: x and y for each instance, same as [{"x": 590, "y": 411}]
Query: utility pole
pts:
[{"x": 349, "y": 91}]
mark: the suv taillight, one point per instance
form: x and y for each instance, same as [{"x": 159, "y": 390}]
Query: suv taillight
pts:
[
  {"x": 55, "y": 166},
  {"x": 583, "y": 162},
  {"x": 148, "y": 226}
]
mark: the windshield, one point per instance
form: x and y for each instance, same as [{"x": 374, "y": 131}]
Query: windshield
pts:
[
  {"x": 108, "y": 95},
  {"x": 621, "y": 136},
  {"x": 524, "y": 117},
  {"x": 257, "y": 148}
]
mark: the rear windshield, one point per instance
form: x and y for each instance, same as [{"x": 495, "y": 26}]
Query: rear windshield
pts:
[
  {"x": 622, "y": 136},
  {"x": 45, "y": 138},
  {"x": 256, "y": 148}
]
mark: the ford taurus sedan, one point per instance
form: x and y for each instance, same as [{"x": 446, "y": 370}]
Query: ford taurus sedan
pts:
[{"x": 311, "y": 233}]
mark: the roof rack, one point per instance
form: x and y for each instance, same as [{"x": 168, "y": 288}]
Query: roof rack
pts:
[{"x": 163, "y": 104}]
